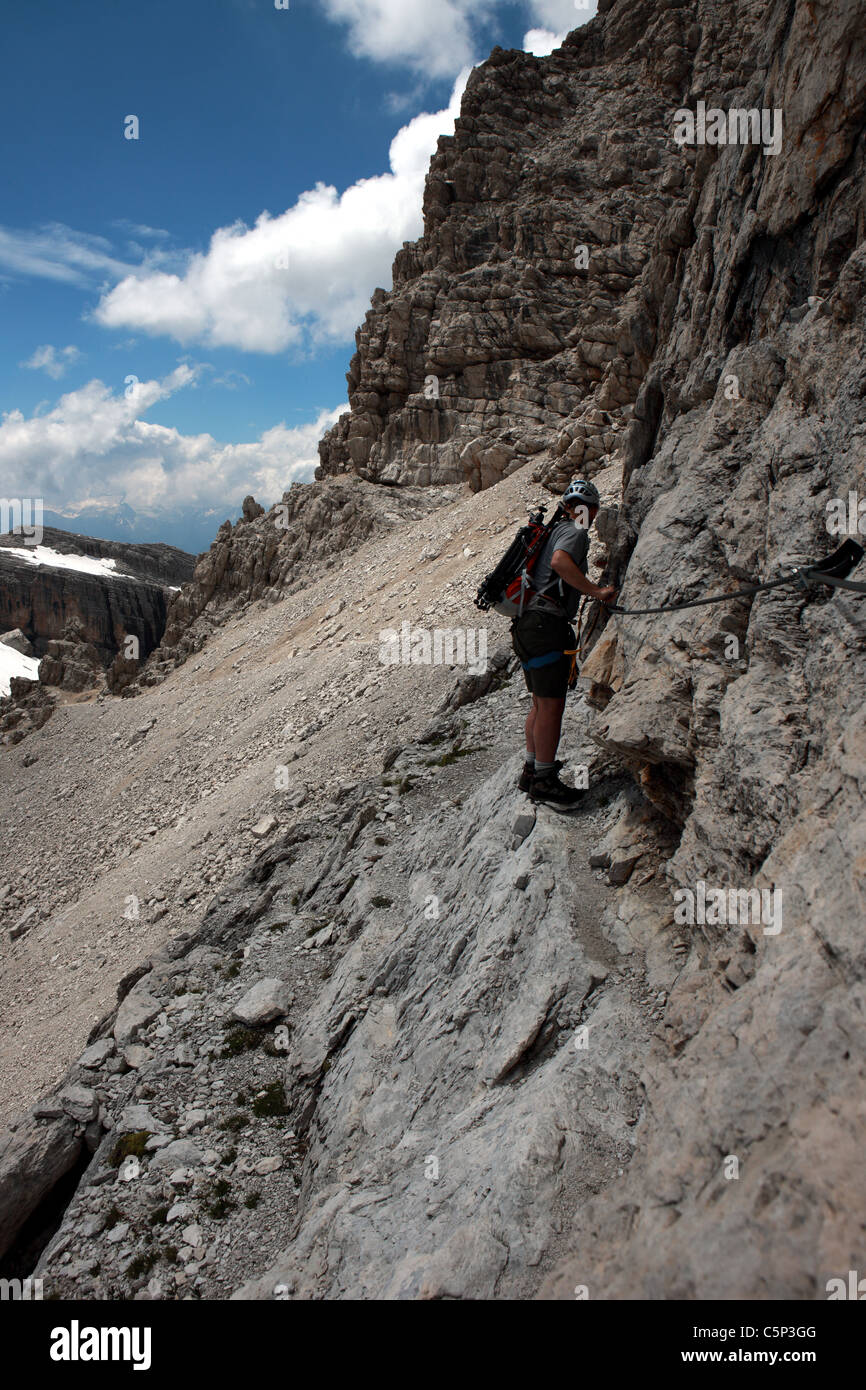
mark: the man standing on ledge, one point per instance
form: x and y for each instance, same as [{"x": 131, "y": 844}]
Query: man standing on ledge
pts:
[{"x": 543, "y": 639}]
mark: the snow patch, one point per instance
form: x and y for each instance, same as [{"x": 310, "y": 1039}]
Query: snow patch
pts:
[
  {"x": 13, "y": 663},
  {"x": 85, "y": 564}
]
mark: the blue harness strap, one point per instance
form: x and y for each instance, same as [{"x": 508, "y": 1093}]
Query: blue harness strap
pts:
[{"x": 546, "y": 660}]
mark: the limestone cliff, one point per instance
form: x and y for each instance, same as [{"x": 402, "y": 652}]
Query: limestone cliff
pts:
[
  {"x": 44, "y": 599},
  {"x": 480, "y": 1066},
  {"x": 720, "y": 322},
  {"x": 267, "y": 555}
]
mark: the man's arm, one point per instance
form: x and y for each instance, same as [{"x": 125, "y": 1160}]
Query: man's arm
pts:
[{"x": 564, "y": 566}]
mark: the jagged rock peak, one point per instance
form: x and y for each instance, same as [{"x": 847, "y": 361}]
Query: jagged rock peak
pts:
[
  {"x": 268, "y": 555},
  {"x": 559, "y": 219}
]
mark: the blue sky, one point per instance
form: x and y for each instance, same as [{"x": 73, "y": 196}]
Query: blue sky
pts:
[{"x": 178, "y": 310}]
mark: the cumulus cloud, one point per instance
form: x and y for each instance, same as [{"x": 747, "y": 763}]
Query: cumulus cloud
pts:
[
  {"x": 436, "y": 39},
  {"x": 541, "y": 42},
  {"x": 94, "y": 444},
  {"x": 556, "y": 18},
  {"x": 308, "y": 271},
  {"x": 48, "y": 359},
  {"x": 562, "y": 15}
]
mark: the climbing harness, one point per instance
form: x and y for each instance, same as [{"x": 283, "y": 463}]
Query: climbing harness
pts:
[{"x": 536, "y": 662}]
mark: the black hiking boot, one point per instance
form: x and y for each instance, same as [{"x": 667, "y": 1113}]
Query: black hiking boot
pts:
[
  {"x": 550, "y": 791},
  {"x": 525, "y": 780}
]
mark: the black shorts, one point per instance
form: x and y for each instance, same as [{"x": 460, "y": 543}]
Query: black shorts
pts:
[{"x": 538, "y": 634}]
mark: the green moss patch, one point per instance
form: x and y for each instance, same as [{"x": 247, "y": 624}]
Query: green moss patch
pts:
[
  {"x": 241, "y": 1040},
  {"x": 142, "y": 1264},
  {"x": 218, "y": 1203},
  {"x": 235, "y": 1123},
  {"x": 129, "y": 1146},
  {"x": 272, "y": 1102}
]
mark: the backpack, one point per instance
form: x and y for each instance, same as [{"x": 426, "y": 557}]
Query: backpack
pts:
[{"x": 507, "y": 587}]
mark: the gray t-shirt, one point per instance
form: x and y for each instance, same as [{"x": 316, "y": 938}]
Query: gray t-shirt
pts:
[{"x": 574, "y": 540}]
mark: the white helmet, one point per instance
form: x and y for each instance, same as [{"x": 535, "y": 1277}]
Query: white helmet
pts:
[{"x": 581, "y": 493}]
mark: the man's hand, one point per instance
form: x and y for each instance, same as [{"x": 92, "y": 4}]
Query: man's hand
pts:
[{"x": 563, "y": 565}]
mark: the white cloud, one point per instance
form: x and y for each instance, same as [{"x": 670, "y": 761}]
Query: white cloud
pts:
[
  {"x": 94, "y": 444},
  {"x": 56, "y": 252},
  {"x": 139, "y": 229},
  {"x": 541, "y": 42},
  {"x": 562, "y": 16},
  {"x": 556, "y": 19},
  {"x": 47, "y": 359},
  {"x": 434, "y": 37},
  {"x": 231, "y": 379},
  {"x": 309, "y": 270}
]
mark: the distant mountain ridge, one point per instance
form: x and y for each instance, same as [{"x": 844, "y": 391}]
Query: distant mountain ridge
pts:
[
  {"x": 76, "y": 614},
  {"x": 163, "y": 564},
  {"x": 189, "y": 530}
]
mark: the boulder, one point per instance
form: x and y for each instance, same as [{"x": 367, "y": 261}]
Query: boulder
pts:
[
  {"x": 137, "y": 1010},
  {"x": 97, "y": 1054},
  {"x": 80, "y": 1103},
  {"x": 180, "y": 1154},
  {"x": 18, "y": 641},
  {"x": 268, "y": 999},
  {"x": 33, "y": 1159}
]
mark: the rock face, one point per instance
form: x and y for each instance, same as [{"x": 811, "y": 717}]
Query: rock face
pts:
[
  {"x": 28, "y": 706},
  {"x": 422, "y": 1098},
  {"x": 153, "y": 561},
  {"x": 514, "y": 1114},
  {"x": 563, "y": 224},
  {"x": 267, "y": 555},
  {"x": 79, "y": 621},
  {"x": 524, "y": 321},
  {"x": 622, "y": 1052},
  {"x": 731, "y": 340},
  {"x": 33, "y": 1159},
  {"x": 71, "y": 662},
  {"x": 745, "y": 722},
  {"x": 44, "y": 600}
]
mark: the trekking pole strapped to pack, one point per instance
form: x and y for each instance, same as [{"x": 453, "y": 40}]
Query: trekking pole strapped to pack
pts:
[{"x": 507, "y": 587}]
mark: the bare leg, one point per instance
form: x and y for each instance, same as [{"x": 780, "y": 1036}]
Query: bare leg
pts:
[
  {"x": 546, "y": 727},
  {"x": 530, "y": 727}
]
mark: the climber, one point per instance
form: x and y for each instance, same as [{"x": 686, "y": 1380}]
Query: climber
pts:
[{"x": 546, "y": 644}]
